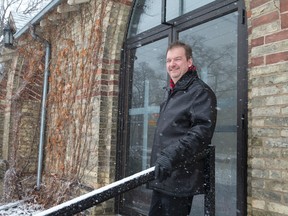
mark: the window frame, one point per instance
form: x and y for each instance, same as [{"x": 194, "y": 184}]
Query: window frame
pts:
[{"x": 199, "y": 16}]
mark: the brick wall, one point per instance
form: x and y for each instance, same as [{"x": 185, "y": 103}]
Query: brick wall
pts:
[
  {"x": 82, "y": 108},
  {"x": 19, "y": 112},
  {"x": 82, "y": 103},
  {"x": 3, "y": 85},
  {"x": 268, "y": 107}
]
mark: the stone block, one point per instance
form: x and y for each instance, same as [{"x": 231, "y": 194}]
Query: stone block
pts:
[{"x": 277, "y": 208}]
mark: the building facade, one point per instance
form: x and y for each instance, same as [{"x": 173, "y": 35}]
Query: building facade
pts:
[{"x": 81, "y": 88}]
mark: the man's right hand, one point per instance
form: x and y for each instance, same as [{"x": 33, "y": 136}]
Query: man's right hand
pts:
[{"x": 163, "y": 168}]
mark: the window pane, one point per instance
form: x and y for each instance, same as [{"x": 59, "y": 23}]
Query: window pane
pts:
[
  {"x": 149, "y": 78},
  {"x": 180, "y": 7},
  {"x": 214, "y": 47},
  {"x": 146, "y": 15},
  {"x": 149, "y": 74}
]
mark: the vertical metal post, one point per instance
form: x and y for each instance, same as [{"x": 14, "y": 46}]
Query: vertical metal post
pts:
[
  {"x": 181, "y": 8},
  {"x": 209, "y": 198},
  {"x": 145, "y": 126},
  {"x": 43, "y": 114},
  {"x": 43, "y": 105},
  {"x": 163, "y": 13}
]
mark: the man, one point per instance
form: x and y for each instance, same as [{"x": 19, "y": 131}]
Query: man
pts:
[{"x": 184, "y": 130}]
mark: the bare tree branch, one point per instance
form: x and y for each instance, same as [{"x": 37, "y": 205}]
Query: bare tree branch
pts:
[{"x": 18, "y": 6}]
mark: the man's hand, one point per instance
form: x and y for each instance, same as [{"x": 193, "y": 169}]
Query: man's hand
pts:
[{"x": 163, "y": 168}]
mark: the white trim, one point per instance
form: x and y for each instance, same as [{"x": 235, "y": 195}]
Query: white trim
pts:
[{"x": 75, "y": 2}]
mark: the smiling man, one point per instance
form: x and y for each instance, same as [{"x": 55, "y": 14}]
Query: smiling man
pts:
[
  {"x": 184, "y": 130},
  {"x": 177, "y": 62}
]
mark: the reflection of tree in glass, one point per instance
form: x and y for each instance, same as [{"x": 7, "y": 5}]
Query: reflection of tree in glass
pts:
[
  {"x": 18, "y": 6},
  {"x": 217, "y": 62},
  {"x": 141, "y": 8},
  {"x": 145, "y": 6},
  {"x": 141, "y": 73}
]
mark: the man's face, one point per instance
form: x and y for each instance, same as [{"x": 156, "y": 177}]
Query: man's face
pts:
[{"x": 176, "y": 63}]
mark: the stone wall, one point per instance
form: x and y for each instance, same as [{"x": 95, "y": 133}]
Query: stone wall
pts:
[
  {"x": 3, "y": 92},
  {"x": 82, "y": 107},
  {"x": 82, "y": 102},
  {"x": 268, "y": 107},
  {"x": 19, "y": 113},
  {"x": 81, "y": 122}
]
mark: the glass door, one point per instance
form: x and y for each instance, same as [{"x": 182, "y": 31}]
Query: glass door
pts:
[
  {"x": 147, "y": 92},
  {"x": 214, "y": 29},
  {"x": 214, "y": 47}
]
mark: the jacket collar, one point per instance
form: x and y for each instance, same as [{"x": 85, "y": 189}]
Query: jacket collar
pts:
[{"x": 186, "y": 80}]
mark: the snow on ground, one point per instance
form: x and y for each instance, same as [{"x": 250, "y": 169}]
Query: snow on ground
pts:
[{"x": 12, "y": 209}]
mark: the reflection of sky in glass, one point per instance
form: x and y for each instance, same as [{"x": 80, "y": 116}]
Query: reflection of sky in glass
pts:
[
  {"x": 214, "y": 47},
  {"x": 180, "y": 7},
  {"x": 218, "y": 33},
  {"x": 149, "y": 65},
  {"x": 148, "y": 12},
  {"x": 147, "y": 18},
  {"x": 154, "y": 55},
  {"x": 213, "y": 40}
]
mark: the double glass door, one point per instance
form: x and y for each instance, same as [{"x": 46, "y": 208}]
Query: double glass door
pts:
[{"x": 215, "y": 46}]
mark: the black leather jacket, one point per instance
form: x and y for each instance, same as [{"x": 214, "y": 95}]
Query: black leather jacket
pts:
[{"x": 184, "y": 130}]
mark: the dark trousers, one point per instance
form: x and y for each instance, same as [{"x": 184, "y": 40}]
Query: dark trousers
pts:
[{"x": 165, "y": 205}]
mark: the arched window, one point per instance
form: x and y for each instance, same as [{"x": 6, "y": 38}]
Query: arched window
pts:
[{"x": 216, "y": 31}]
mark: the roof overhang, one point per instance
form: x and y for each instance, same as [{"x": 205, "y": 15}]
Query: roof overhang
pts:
[{"x": 37, "y": 18}]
